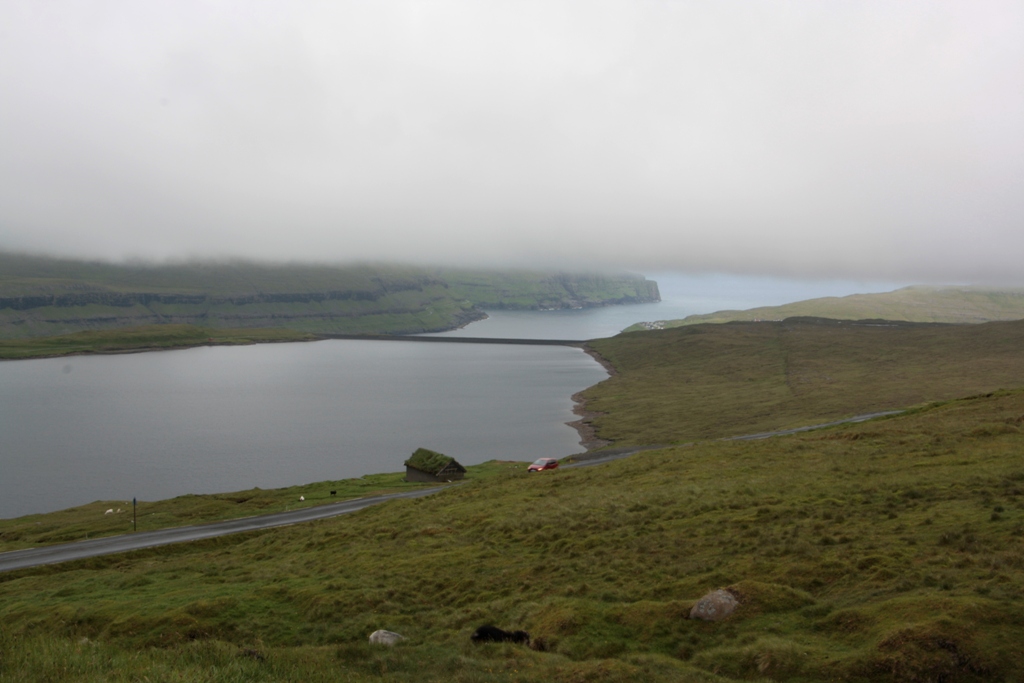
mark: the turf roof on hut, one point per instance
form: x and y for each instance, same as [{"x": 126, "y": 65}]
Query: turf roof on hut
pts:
[{"x": 426, "y": 460}]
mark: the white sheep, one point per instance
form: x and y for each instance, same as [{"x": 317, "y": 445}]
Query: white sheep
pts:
[{"x": 109, "y": 512}]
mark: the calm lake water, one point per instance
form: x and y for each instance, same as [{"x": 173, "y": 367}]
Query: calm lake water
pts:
[{"x": 157, "y": 425}]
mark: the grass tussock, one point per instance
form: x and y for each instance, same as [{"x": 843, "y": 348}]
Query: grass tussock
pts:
[{"x": 887, "y": 551}]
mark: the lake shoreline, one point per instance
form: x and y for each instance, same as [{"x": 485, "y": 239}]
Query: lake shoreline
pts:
[
  {"x": 583, "y": 426},
  {"x": 152, "y": 349}
]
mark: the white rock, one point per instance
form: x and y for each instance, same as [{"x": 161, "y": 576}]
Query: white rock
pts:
[{"x": 389, "y": 638}]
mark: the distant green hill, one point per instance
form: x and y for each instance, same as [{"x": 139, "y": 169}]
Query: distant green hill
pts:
[
  {"x": 45, "y": 297},
  {"x": 915, "y": 304}
]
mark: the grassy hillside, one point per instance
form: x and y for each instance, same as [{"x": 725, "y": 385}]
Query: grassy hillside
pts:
[
  {"x": 710, "y": 381},
  {"x": 915, "y": 304},
  {"x": 47, "y": 297},
  {"x": 886, "y": 551}
]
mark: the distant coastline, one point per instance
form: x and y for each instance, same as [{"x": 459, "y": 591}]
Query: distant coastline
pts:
[{"x": 46, "y": 297}]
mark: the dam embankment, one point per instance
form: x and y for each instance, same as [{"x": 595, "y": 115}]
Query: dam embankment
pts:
[{"x": 457, "y": 340}]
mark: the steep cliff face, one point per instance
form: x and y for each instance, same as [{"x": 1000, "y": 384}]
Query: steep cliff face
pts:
[
  {"x": 103, "y": 297},
  {"x": 395, "y": 310},
  {"x": 543, "y": 291},
  {"x": 41, "y": 297}
]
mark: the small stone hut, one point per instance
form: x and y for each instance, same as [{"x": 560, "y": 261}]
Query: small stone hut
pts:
[{"x": 428, "y": 465}]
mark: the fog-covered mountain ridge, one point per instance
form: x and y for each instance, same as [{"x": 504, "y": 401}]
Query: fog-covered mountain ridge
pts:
[{"x": 42, "y": 296}]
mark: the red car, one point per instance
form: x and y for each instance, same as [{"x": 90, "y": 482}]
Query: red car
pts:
[{"x": 543, "y": 464}]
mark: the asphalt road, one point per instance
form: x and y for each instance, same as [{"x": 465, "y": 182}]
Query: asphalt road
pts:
[
  {"x": 34, "y": 557},
  {"x": 601, "y": 457},
  {"x": 858, "y": 418}
]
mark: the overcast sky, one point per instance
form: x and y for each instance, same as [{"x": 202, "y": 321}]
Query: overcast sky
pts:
[{"x": 862, "y": 139}]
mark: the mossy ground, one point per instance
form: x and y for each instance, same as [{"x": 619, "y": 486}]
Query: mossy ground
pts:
[{"x": 891, "y": 550}]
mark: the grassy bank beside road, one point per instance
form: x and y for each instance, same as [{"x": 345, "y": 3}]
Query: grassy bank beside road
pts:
[
  {"x": 719, "y": 380},
  {"x": 92, "y": 520}
]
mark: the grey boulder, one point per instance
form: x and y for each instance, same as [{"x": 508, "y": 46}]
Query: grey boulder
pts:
[{"x": 715, "y": 606}]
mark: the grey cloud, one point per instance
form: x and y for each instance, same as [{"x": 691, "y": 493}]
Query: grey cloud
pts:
[{"x": 862, "y": 140}]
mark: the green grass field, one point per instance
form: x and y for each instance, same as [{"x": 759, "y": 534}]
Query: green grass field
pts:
[
  {"x": 891, "y": 550},
  {"x": 712, "y": 381}
]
